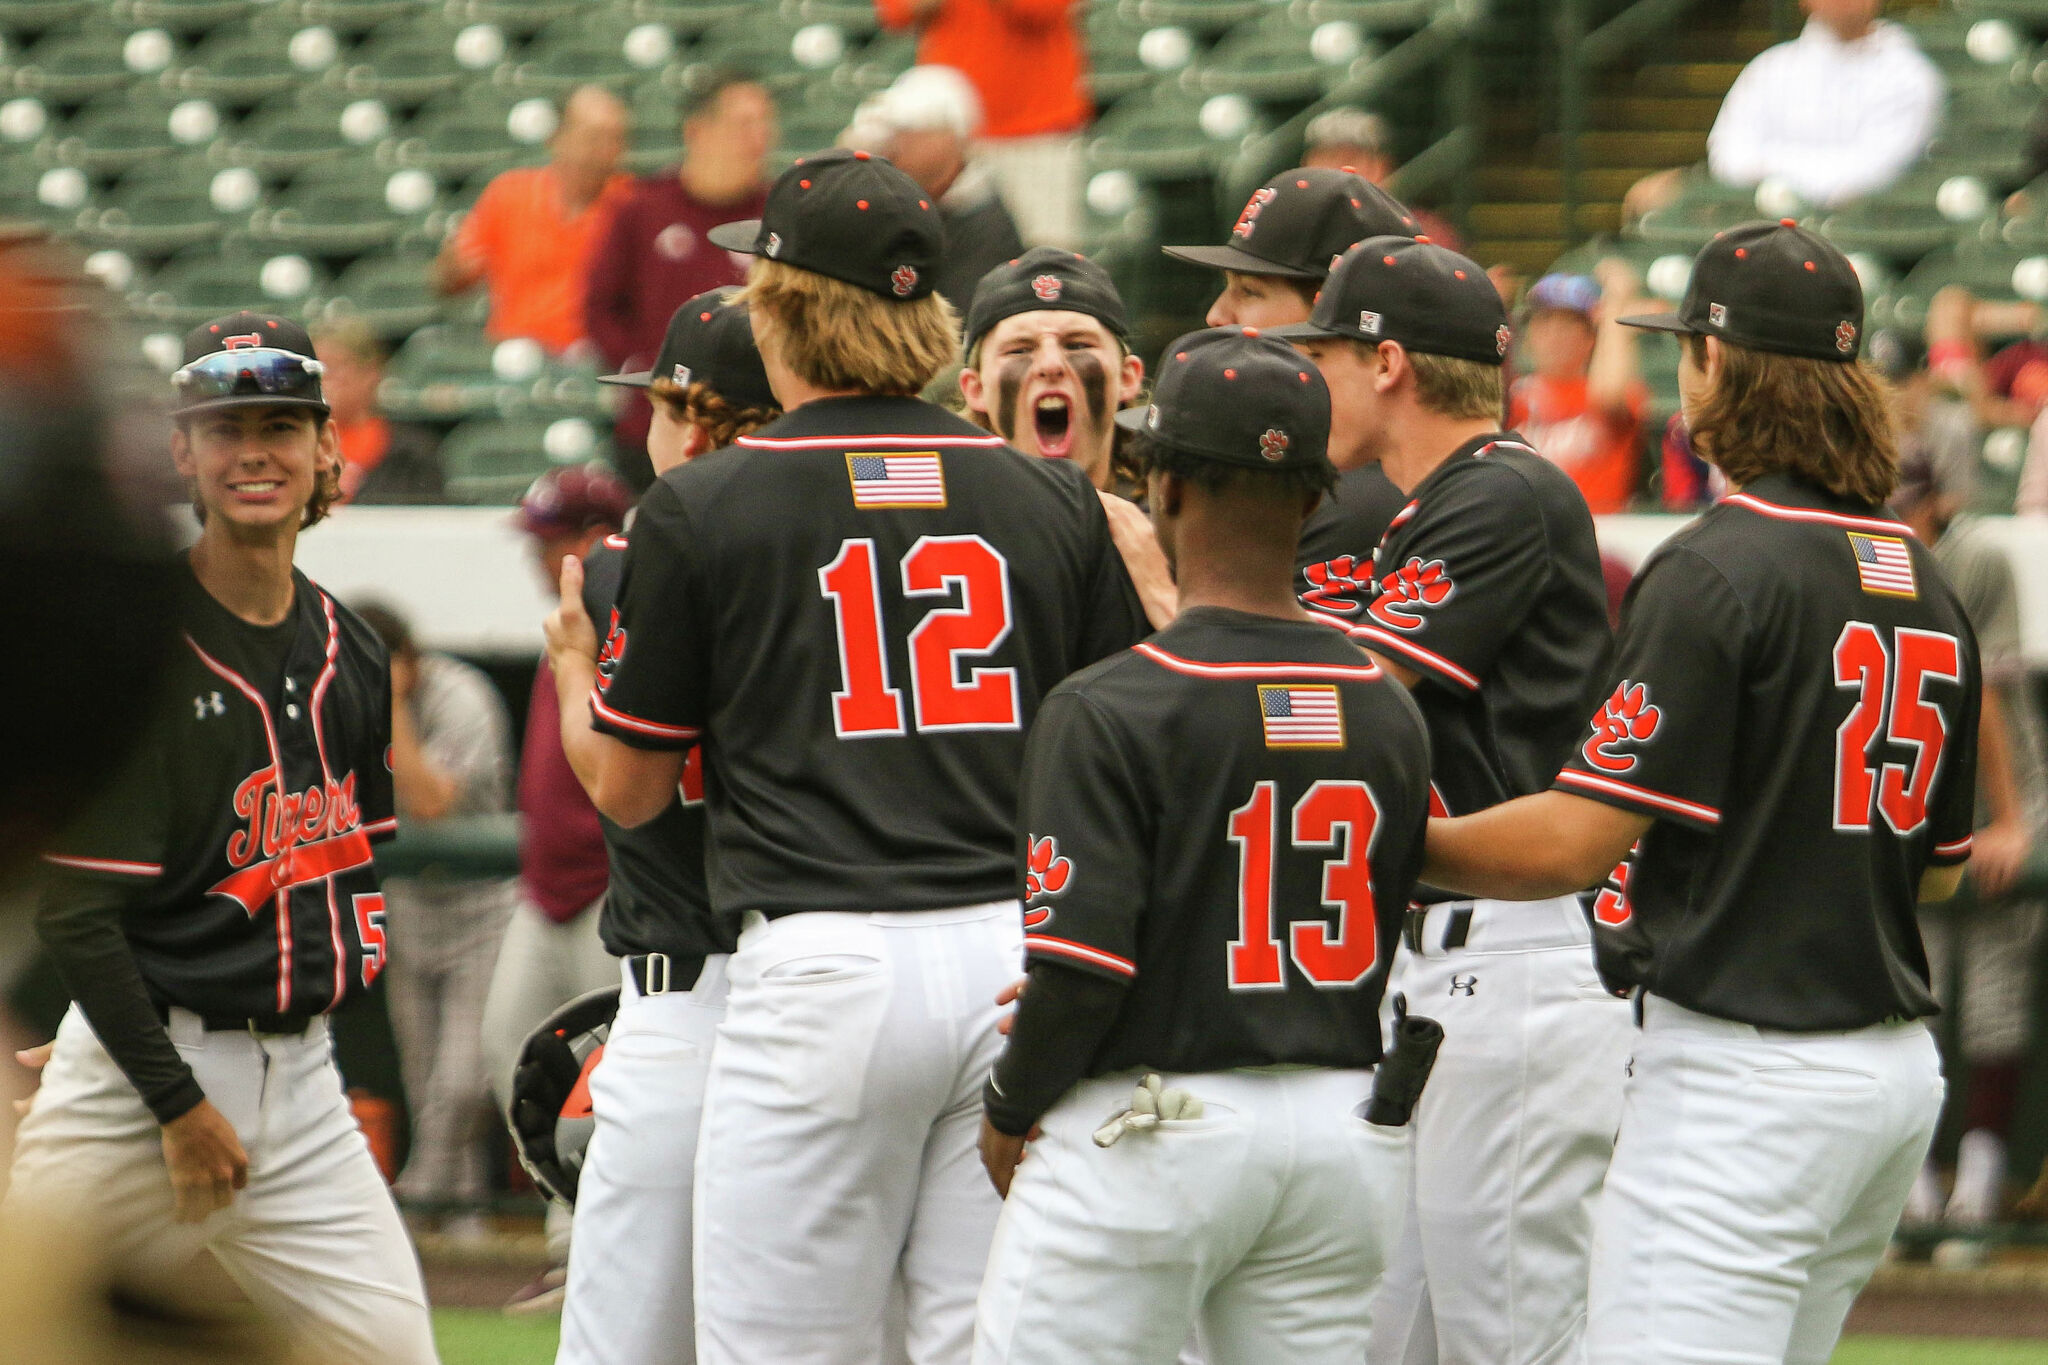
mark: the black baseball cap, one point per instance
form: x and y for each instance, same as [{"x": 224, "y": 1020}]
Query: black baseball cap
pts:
[
  {"x": 1770, "y": 287},
  {"x": 1045, "y": 278},
  {"x": 1238, "y": 396},
  {"x": 1410, "y": 290},
  {"x": 850, "y": 215},
  {"x": 1296, "y": 224},
  {"x": 264, "y": 360},
  {"x": 709, "y": 339}
]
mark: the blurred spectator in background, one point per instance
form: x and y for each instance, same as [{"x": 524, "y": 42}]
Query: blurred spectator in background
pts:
[
  {"x": 1833, "y": 115},
  {"x": 1933, "y": 423},
  {"x": 2010, "y": 388},
  {"x": 1689, "y": 482},
  {"x": 1981, "y": 949},
  {"x": 925, "y": 122},
  {"x": 655, "y": 256},
  {"x": 551, "y": 952},
  {"x": 382, "y": 461},
  {"x": 1029, "y": 65},
  {"x": 1349, "y": 138},
  {"x": 451, "y": 755},
  {"x": 1581, "y": 401},
  {"x": 529, "y": 236}
]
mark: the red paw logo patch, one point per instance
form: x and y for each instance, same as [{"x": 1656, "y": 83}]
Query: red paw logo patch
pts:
[
  {"x": 614, "y": 650},
  {"x": 1340, "y": 586},
  {"x": 1409, "y": 591},
  {"x": 1626, "y": 718},
  {"x": 1046, "y": 874}
]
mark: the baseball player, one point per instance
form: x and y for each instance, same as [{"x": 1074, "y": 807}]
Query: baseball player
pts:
[
  {"x": 1491, "y": 606},
  {"x": 1292, "y": 230},
  {"x": 1788, "y": 745},
  {"x": 1213, "y": 822},
  {"x": 855, "y": 611},
  {"x": 221, "y": 901},
  {"x": 1048, "y": 366},
  {"x": 629, "y": 1294}
]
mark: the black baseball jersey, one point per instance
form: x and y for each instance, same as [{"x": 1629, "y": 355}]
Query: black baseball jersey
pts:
[
  {"x": 656, "y": 901},
  {"x": 1230, "y": 817},
  {"x": 1333, "y": 568},
  {"x": 858, "y": 609},
  {"x": 246, "y": 820},
  {"x": 1490, "y": 587},
  {"x": 1795, "y": 701}
]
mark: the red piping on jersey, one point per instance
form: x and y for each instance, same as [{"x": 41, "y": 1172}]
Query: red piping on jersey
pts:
[
  {"x": 645, "y": 727},
  {"x": 1572, "y": 777},
  {"x": 1366, "y": 672},
  {"x": 320, "y": 686},
  {"x": 1437, "y": 663},
  {"x": 117, "y": 865},
  {"x": 1080, "y": 952},
  {"x": 615, "y": 542},
  {"x": 284, "y": 917},
  {"x": 1951, "y": 849},
  {"x": 1782, "y": 513},
  {"x": 866, "y": 442}
]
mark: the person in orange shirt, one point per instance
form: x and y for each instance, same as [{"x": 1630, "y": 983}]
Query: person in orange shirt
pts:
[
  {"x": 530, "y": 234},
  {"x": 1028, "y": 64},
  {"x": 1581, "y": 403}
]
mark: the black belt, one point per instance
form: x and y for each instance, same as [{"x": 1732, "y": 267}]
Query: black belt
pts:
[
  {"x": 243, "y": 1023},
  {"x": 663, "y": 973},
  {"x": 1457, "y": 926}
]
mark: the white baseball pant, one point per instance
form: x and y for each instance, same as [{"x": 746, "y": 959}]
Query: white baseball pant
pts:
[
  {"x": 1512, "y": 1137},
  {"x": 1265, "y": 1222},
  {"x": 1758, "y": 1176},
  {"x": 314, "y": 1240},
  {"x": 629, "y": 1298},
  {"x": 840, "y": 1134}
]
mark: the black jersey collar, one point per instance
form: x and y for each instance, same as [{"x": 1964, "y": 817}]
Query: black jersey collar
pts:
[
  {"x": 1777, "y": 495},
  {"x": 1471, "y": 450}
]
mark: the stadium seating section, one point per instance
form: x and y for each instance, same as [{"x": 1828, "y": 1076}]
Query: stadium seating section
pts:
[{"x": 310, "y": 155}]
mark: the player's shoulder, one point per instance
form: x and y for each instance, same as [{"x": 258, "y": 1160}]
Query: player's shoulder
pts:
[{"x": 1502, "y": 477}]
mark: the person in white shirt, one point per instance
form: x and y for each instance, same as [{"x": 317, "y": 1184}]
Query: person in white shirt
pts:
[{"x": 1834, "y": 115}]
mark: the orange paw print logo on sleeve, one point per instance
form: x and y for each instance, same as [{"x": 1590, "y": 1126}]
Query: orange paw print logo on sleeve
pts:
[
  {"x": 1340, "y": 586},
  {"x": 614, "y": 650},
  {"x": 1627, "y": 718},
  {"x": 1411, "y": 590},
  {"x": 1046, "y": 874}
]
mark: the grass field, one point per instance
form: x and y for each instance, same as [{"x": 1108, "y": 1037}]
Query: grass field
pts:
[{"x": 471, "y": 1336}]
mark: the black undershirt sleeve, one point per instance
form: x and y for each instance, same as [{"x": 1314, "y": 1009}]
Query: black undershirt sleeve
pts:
[
  {"x": 79, "y": 922},
  {"x": 1061, "y": 1020}
]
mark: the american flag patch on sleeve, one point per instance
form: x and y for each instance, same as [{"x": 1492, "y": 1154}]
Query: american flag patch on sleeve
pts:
[
  {"x": 896, "y": 481},
  {"x": 1884, "y": 565},
  {"x": 1301, "y": 717}
]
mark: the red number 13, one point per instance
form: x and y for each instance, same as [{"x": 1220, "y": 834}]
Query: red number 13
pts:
[{"x": 1342, "y": 817}]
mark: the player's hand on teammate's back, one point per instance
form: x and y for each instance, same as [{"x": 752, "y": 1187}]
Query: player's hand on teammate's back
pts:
[
  {"x": 569, "y": 629},
  {"x": 1000, "y": 1154},
  {"x": 1997, "y": 858},
  {"x": 1008, "y": 996},
  {"x": 1130, "y": 530},
  {"x": 206, "y": 1162}
]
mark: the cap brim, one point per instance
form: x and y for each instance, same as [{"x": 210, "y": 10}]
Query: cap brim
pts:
[
  {"x": 1243, "y": 262},
  {"x": 1659, "y": 322},
  {"x": 636, "y": 379},
  {"x": 1131, "y": 419},
  {"x": 1301, "y": 331},
  {"x": 739, "y": 236}
]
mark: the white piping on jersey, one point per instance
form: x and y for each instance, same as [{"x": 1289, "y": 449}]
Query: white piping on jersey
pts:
[
  {"x": 866, "y": 442},
  {"x": 1366, "y": 672},
  {"x": 284, "y": 915},
  {"x": 115, "y": 865},
  {"x": 1081, "y": 952},
  {"x": 646, "y": 727},
  {"x": 1782, "y": 513},
  {"x": 1416, "y": 653},
  {"x": 1572, "y": 777}
]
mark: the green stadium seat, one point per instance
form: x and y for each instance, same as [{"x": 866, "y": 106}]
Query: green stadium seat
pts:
[
  {"x": 1280, "y": 58},
  {"x": 288, "y": 137},
  {"x": 1208, "y": 17},
  {"x": 236, "y": 68},
  {"x": 185, "y": 16},
  {"x": 206, "y": 281},
  {"x": 495, "y": 460},
  {"x": 408, "y": 62},
  {"x": 343, "y": 211},
  {"x": 2030, "y": 15},
  {"x": 855, "y": 18},
  {"x": 351, "y": 17},
  {"x": 458, "y": 141},
  {"x": 57, "y": 197},
  {"x": 70, "y": 66},
  {"x": 556, "y": 67},
  {"x": 1126, "y": 55},
  {"x": 117, "y": 132},
  {"x": 38, "y": 16},
  {"x": 442, "y": 372},
  {"x": 887, "y": 56},
  {"x": 812, "y": 119},
  {"x": 523, "y": 17},
  {"x": 157, "y": 217},
  {"x": 1376, "y": 16},
  {"x": 1166, "y": 134},
  {"x": 393, "y": 294},
  {"x": 689, "y": 17},
  {"x": 768, "y": 46}
]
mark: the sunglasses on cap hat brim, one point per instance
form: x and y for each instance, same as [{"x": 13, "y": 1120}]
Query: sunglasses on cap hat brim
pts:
[{"x": 260, "y": 374}]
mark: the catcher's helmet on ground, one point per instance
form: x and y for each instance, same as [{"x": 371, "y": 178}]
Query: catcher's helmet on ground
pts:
[{"x": 551, "y": 1121}]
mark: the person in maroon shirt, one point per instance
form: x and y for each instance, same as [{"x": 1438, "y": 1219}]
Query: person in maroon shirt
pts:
[
  {"x": 551, "y": 952},
  {"x": 657, "y": 256}
]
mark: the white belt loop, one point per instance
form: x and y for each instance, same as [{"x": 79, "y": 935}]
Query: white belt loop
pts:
[{"x": 654, "y": 959}]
